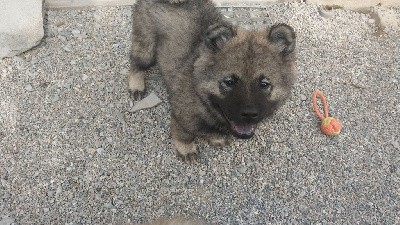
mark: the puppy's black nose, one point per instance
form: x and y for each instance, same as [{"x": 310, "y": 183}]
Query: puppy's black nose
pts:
[{"x": 249, "y": 113}]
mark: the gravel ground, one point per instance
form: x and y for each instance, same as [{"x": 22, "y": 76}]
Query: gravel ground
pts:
[{"x": 72, "y": 153}]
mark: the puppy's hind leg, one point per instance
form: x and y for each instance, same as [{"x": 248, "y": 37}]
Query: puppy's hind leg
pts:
[
  {"x": 136, "y": 86},
  {"x": 142, "y": 55}
]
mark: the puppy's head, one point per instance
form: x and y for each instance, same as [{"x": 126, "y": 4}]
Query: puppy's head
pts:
[{"x": 244, "y": 76}]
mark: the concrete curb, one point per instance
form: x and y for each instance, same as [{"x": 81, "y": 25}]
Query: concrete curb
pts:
[
  {"x": 64, "y": 4},
  {"x": 357, "y": 4},
  {"x": 21, "y": 27}
]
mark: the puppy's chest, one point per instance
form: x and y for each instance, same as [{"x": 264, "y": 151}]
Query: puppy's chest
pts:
[{"x": 212, "y": 126}]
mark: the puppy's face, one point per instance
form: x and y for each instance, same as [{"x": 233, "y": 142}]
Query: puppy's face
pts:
[{"x": 249, "y": 74}]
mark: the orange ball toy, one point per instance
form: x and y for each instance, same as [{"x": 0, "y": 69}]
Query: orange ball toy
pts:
[{"x": 329, "y": 126}]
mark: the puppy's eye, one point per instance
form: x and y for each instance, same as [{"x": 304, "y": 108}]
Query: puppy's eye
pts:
[
  {"x": 230, "y": 81},
  {"x": 264, "y": 84}
]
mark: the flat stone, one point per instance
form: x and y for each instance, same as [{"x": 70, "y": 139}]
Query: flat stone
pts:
[
  {"x": 21, "y": 27},
  {"x": 150, "y": 101},
  {"x": 100, "y": 150},
  {"x": 28, "y": 87}
]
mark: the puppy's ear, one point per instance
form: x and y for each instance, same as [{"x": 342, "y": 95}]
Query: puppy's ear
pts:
[
  {"x": 283, "y": 37},
  {"x": 217, "y": 35}
]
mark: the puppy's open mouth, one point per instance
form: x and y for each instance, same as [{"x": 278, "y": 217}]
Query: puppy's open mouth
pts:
[{"x": 241, "y": 130}]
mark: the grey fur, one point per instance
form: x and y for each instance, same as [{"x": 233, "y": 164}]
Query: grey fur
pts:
[{"x": 220, "y": 79}]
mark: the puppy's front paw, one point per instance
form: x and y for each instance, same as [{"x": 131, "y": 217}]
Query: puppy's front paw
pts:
[
  {"x": 136, "y": 95},
  {"x": 186, "y": 151},
  {"x": 136, "y": 85},
  {"x": 191, "y": 157},
  {"x": 219, "y": 141}
]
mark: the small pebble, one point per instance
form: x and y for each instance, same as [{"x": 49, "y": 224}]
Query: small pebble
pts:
[
  {"x": 303, "y": 97},
  {"x": 97, "y": 17},
  {"x": 396, "y": 144},
  {"x": 6, "y": 195},
  {"x": 62, "y": 38},
  {"x": 55, "y": 98},
  {"x": 3, "y": 182},
  {"x": 67, "y": 48},
  {"x": 75, "y": 32},
  {"x": 59, "y": 190},
  {"x": 100, "y": 150},
  {"x": 109, "y": 139},
  {"x": 91, "y": 151},
  {"x": 29, "y": 88},
  {"x": 97, "y": 144},
  {"x": 124, "y": 71},
  {"x": 68, "y": 83}
]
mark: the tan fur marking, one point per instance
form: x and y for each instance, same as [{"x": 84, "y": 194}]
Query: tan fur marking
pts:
[
  {"x": 136, "y": 81},
  {"x": 184, "y": 149}
]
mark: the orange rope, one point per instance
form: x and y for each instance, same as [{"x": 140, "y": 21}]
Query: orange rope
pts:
[{"x": 319, "y": 94}]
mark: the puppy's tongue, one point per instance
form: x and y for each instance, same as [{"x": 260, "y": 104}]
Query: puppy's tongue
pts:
[{"x": 244, "y": 129}]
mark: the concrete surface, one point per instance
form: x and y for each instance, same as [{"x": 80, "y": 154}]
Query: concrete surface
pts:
[
  {"x": 21, "y": 26},
  {"x": 59, "y": 4},
  {"x": 72, "y": 153},
  {"x": 357, "y": 4},
  {"x": 350, "y": 4}
]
